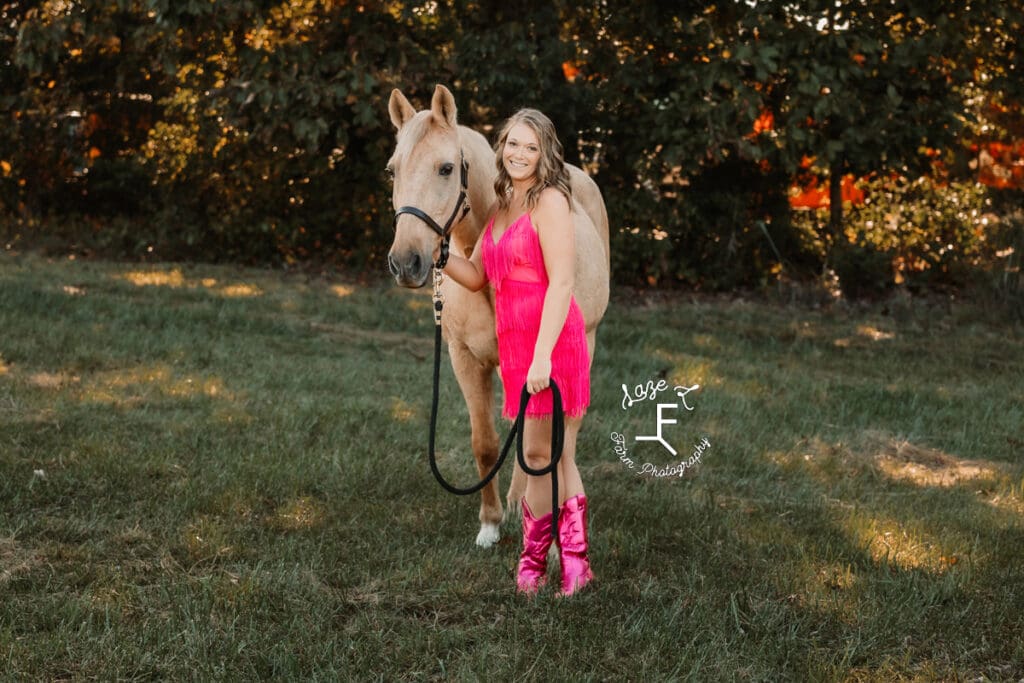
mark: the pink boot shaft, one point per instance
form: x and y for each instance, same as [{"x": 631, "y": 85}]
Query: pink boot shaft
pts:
[
  {"x": 533, "y": 562},
  {"x": 572, "y": 537}
]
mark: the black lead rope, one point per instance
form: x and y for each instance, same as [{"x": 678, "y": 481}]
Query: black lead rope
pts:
[{"x": 557, "y": 430}]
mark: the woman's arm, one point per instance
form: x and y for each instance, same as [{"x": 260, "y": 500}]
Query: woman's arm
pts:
[
  {"x": 554, "y": 224},
  {"x": 468, "y": 272}
]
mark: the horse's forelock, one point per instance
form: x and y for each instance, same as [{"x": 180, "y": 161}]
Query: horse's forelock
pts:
[{"x": 413, "y": 133}]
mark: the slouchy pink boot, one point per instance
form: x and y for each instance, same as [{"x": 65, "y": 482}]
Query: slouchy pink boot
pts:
[
  {"x": 572, "y": 537},
  {"x": 533, "y": 562}
]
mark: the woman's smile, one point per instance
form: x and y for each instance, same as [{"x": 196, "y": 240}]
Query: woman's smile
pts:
[{"x": 521, "y": 153}]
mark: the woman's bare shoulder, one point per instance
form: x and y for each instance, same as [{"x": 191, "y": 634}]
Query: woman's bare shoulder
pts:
[{"x": 553, "y": 202}]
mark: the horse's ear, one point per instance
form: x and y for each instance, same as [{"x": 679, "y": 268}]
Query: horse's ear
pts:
[
  {"x": 443, "y": 107},
  {"x": 400, "y": 109}
]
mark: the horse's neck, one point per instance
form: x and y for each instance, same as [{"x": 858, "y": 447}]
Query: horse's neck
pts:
[{"x": 481, "y": 187}]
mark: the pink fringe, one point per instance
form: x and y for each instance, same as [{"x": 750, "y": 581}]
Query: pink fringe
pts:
[{"x": 518, "y": 308}]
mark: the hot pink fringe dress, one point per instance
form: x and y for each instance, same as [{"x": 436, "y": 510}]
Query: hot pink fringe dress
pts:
[{"x": 515, "y": 268}]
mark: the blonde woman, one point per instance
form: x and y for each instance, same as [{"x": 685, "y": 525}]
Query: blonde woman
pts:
[{"x": 527, "y": 254}]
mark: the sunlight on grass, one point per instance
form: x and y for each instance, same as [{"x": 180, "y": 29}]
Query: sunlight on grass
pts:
[
  {"x": 864, "y": 332},
  {"x": 1008, "y": 501},
  {"x": 174, "y": 279},
  {"x": 897, "y": 459},
  {"x": 301, "y": 514},
  {"x": 688, "y": 370},
  {"x": 240, "y": 291},
  {"x": 418, "y": 305},
  {"x": 873, "y": 333},
  {"x": 401, "y": 411},
  {"x": 707, "y": 342},
  {"x": 342, "y": 291},
  {"x": 890, "y": 541},
  {"x": 417, "y": 300},
  {"x": 132, "y": 385},
  {"x": 155, "y": 278},
  {"x": 51, "y": 380},
  {"x": 903, "y": 461},
  {"x": 206, "y": 538}
]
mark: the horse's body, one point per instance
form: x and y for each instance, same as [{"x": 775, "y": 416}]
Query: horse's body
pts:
[{"x": 429, "y": 143}]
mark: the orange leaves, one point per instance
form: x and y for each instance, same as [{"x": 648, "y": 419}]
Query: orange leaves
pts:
[
  {"x": 570, "y": 71},
  {"x": 1001, "y": 165},
  {"x": 814, "y": 194},
  {"x": 808, "y": 192},
  {"x": 764, "y": 123}
]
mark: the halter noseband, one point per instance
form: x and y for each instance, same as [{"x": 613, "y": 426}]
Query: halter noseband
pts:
[{"x": 445, "y": 232}]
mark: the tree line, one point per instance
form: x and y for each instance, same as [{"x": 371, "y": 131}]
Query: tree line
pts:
[{"x": 256, "y": 131}]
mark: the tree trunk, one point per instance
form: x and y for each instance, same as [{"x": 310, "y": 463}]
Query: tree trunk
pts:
[{"x": 835, "y": 198}]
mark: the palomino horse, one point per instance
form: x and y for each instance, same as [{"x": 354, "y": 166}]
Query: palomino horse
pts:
[{"x": 426, "y": 165}]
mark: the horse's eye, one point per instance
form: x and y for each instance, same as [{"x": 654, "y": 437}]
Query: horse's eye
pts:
[
  {"x": 446, "y": 169},
  {"x": 389, "y": 172}
]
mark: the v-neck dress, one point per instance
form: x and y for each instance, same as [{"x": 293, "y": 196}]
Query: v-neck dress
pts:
[{"x": 515, "y": 268}]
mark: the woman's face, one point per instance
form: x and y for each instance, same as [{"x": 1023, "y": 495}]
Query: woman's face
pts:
[{"x": 521, "y": 153}]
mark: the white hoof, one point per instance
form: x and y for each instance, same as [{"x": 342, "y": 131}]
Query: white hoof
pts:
[{"x": 488, "y": 535}]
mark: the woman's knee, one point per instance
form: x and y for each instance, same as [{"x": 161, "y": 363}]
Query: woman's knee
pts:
[{"x": 536, "y": 456}]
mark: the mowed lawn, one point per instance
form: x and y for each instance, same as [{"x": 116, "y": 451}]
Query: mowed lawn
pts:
[{"x": 216, "y": 473}]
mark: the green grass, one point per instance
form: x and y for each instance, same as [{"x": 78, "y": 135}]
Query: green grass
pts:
[{"x": 216, "y": 473}]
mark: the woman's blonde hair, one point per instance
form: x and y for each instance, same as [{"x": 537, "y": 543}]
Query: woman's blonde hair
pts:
[{"x": 551, "y": 169}]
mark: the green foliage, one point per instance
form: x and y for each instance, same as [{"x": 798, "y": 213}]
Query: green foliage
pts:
[
  {"x": 256, "y": 130},
  {"x": 909, "y": 231}
]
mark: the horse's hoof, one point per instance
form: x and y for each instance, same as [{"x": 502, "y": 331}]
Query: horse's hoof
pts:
[{"x": 488, "y": 535}]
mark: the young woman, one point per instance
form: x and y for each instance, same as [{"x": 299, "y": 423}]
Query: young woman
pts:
[{"x": 527, "y": 253}]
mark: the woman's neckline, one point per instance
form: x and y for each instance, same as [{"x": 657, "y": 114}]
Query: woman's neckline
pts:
[{"x": 497, "y": 241}]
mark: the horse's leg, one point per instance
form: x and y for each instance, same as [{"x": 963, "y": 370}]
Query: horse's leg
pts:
[
  {"x": 516, "y": 491},
  {"x": 476, "y": 381}
]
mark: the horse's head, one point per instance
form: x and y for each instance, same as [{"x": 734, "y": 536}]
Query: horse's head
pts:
[{"x": 426, "y": 169}]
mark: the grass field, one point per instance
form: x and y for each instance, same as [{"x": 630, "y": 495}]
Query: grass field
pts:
[{"x": 214, "y": 473}]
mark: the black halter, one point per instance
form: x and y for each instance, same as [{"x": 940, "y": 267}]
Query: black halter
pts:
[{"x": 445, "y": 232}]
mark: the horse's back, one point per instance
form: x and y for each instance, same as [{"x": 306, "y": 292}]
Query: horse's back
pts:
[
  {"x": 592, "y": 250},
  {"x": 588, "y": 196}
]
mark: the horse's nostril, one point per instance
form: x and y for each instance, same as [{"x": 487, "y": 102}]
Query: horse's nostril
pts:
[{"x": 392, "y": 265}]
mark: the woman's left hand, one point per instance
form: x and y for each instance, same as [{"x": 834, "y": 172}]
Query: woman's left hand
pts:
[{"x": 538, "y": 377}]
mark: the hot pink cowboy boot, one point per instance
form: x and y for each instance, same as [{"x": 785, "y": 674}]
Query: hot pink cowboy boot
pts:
[
  {"x": 533, "y": 562},
  {"x": 572, "y": 537}
]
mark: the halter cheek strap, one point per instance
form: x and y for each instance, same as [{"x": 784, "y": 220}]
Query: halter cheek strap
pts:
[{"x": 461, "y": 206}]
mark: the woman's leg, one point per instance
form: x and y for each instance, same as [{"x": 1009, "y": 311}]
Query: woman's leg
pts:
[
  {"x": 537, "y": 452},
  {"x": 569, "y": 481}
]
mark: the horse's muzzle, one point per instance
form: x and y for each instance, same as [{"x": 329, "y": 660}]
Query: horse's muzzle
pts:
[{"x": 410, "y": 269}]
